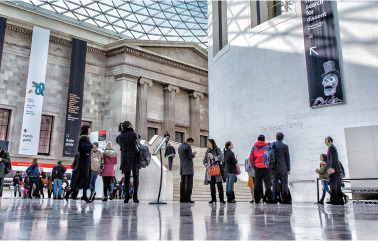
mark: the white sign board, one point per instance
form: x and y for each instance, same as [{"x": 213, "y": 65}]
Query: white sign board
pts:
[{"x": 35, "y": 87}]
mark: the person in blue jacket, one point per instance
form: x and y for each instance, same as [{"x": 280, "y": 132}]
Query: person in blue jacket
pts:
[{"x": 33, "y": 173}]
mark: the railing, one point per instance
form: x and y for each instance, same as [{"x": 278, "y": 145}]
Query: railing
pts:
[{"x": 355, "y": 189}]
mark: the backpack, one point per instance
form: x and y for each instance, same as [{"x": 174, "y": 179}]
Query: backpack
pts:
[
  {"x": 55, "y": 172},
  {"x": 96, "y": 161},
  {"x": 269, "y": 156},
  {"x": 342, "y": 173},
  {"x": 247, "y": 165},
  {"x": 144, "y": 154},
  {"x": 8, "y": 168}
]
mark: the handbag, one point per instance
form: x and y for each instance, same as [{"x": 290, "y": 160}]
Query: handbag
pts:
[
  {"x": 237, "y": 169},
  {"x": 213, "y": 170}
]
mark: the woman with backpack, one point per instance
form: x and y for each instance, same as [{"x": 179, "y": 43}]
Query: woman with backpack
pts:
[
  {"x": 230, "y": 162},
  {"x": 212, "y": 162},
  {"x": 81, "y": 173},
  {"x": 110, "y": 159},
  {"x": 33, "y": 173},
  {"x": 127, "y": 140}
]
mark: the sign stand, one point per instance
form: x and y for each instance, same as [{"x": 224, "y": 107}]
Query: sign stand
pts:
[{"x": 158, "y": 149}]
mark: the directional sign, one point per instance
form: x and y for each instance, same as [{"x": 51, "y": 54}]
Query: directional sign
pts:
[
  {"x": 312, "y": 50},
  {"x": 322, "y": 60}
]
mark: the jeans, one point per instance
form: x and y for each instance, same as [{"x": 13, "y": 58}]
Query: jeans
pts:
[
  {"x": 57, "y": 188},
  {"x": 230, "y": 187},
  {"x": 263, "y": 174},
  {"x": 92, "y": 183},
  {"x": 284, "y": 192},
  {"x": 1, "y": 186},
  {"x": 36, "y": 182},
  {"x": 220, "y": 189},
  {"x": 186, "y": 187},
  {"x": 17, "y": 187},
  {"x": 170, "y": 161},
  {"x": 325, "y": 190}
]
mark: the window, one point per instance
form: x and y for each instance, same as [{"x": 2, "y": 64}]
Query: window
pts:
[
  {"x": 151, "y": 132},
  {"x": 220, "y": 32},
  {"x": 83, "y": 122},
  {"x": 4, "y": 124},
  {"x": 45, "y": 135},
  {"x": 179, "y": 137},
  {"x": 203, "y": 141},
  {"x": 262, "y": 11}
]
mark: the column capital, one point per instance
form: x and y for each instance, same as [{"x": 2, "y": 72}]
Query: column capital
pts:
[
  {"x": 145, "y": 81},
  {"x": 172, "y": 88},
  {"x": 120, "y": 77},
  {"x": 196, "y": 94}
]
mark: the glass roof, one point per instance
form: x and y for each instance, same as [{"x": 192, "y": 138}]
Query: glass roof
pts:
[{"x": 144, "y": 20}]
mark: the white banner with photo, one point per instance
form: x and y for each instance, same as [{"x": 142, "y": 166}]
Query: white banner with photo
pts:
[{"x": 35, "y": 87}]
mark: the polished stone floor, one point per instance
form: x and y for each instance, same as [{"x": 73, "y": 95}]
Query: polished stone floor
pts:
[{"x": 57, "y": 219}]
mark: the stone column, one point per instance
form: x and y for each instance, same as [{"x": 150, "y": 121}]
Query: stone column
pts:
[
  {"x": 120, "y": 105},
  {"x": 127, "y": 85},
  {"x": 169, "y": 109},
  {"x": 141, "y": 118},
  {"x": 195, "y": 116}
]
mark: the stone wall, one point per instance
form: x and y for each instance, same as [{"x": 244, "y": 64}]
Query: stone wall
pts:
[{"x": 118, "y": 76}]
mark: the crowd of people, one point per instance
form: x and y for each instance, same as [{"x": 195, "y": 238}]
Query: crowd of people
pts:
[
  {"x": 223, "y": 167},
  {"x": 268, "y": 168}
]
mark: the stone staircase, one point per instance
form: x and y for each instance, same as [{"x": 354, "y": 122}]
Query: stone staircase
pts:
[{"x": 201, "y": 192}]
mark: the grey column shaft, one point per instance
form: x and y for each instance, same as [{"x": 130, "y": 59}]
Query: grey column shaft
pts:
[
  {"x": 141, "y": 122},
  {"x": 169, "y": 110},
  {"x": 195, "y": 117}
]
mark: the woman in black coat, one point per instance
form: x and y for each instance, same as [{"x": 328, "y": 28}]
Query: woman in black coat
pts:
[
  {"x": 214, "y": 156},
  {"x": 127, "y": 140},
  {"x": 230, "y": 163},
  {"x": 81, "y": 173}
]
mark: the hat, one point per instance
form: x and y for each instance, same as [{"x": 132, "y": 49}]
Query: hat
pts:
[
  {"x": 329, "y": 68},
  {"x": 109, "y": 146},
  {"x": 95, "y": 143}
]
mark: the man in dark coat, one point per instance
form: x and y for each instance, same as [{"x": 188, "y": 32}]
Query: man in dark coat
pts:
[
  {"x": 281, "y": 169},
  {"x": 4, "y": 159},
  {"x": 334, "y": 171},
  {"x": 170, "y": 153},
  {"x": 186, "y": 170},
  {"x": 129, "y": 157}
]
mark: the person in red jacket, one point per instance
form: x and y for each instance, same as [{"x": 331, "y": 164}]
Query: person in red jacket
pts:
[{"x": 262, "y": 173}]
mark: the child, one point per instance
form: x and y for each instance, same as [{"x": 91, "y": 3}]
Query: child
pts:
[
  {"x": 49, "y": 186},
  {"x": 26, "y": 187},
  {"x": 323, "y": 175}
]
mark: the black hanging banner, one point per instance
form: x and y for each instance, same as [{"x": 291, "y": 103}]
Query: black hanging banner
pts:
[
  {"x": 322, "y": 59},
  {"x": 75, "y": 97},
  {"x": 3, "y": 26}
]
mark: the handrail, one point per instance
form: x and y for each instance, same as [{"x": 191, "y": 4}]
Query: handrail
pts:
[{"x": 344, "y": 180}]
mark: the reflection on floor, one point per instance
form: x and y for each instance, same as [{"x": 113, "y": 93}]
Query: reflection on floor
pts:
[{"x": 57, "y": 219}]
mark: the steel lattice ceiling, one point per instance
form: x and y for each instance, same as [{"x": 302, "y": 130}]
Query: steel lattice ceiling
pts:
[{"x": 144, "y": 20}]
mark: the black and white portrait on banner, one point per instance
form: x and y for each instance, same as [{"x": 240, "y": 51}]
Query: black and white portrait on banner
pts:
[{"x": 321, "y": 50}]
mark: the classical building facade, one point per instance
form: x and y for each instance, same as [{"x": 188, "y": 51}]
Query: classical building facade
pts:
[
  {"x": 157, "y": 85},
  {"x": 257, "y": 58}
]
